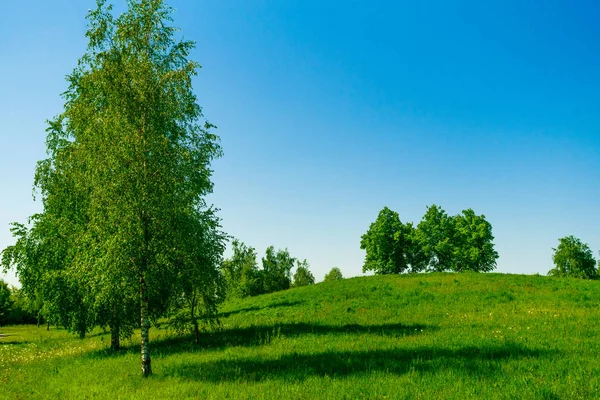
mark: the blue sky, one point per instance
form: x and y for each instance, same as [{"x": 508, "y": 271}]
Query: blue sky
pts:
[{"x": 329, "y": 111}]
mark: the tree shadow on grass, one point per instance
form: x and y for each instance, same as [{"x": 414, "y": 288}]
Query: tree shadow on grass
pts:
[
  {"x": 11, "y": 342},
  {"x": 256, "y": 308},
  {"x": 258, "y": 335},
  {"x": 480, "y": 361},
  {"x": 97, "y": 334}
]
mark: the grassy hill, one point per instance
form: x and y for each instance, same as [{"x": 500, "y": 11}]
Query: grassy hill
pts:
[{"x": 414, "y": 336}]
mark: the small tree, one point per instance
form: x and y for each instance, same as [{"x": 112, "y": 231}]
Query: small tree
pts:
[
  {"x": 5, "y": 303},
  {"x": 241, "y": 272},
  {"x": 573, "y": 258},
  {"x": 277, "y": 270},
  {"x": 303, "y": 276},
  {"x": 334, "y": 275}
]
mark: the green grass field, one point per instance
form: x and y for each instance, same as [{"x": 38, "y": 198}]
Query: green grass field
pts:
[{"x": 414, "y": 336}]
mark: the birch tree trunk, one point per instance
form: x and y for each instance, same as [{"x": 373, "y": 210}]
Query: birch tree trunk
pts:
[{"x": 145, "y": 322}]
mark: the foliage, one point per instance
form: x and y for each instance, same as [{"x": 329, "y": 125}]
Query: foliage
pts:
[
  {"x": 334, "y": 275},
  {"x": 244, "y": 278},
  {"x": 385, "y": 244},
  {"x": 414, "y": 254},
  {"x": 277, "y": 269},
  {"x": 391, "y": 246},
  {"x": 435, "y": 236},
  {"x": 200, "y": 283},
  {"x": 6, "y": 303},
  {"x": 473, "y": 243},
  {"x": 123, "y": 235},
  {"x": 23, "y": 310},
  {"x": 241, "y": 272},
  {"x": 438, "y": 243},
  {"x": 40, "y": 257},
  {"x": 451, "y": 336},
  {"x": 573, "y": 258},
  {"x": 303, "y": 276}
]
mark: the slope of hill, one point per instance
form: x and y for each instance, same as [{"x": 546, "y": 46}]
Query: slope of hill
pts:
[{"x": 412, "y": 336}]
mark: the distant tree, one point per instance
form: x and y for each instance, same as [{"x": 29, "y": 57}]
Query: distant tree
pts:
[
  {"x": 241, "y": 272},
  {"x": 573, "y": 258},
  {"x": 276, "y": 272},
  {"x": 473, "y": 243},
  {"x": 434, "y": 235},
  {"x": 387, "y": 244},
  {"x": 334, "y": 275},
  {"x": 5, "y": 303},
  {"x": 23, "y": 311},
  {"x": 303, "y": 276}
]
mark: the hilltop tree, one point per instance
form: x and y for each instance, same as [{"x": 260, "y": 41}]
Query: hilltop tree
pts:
[
  {"x": 388, "y": 244},
  {"x": 414, "y": 254},
  {"x": 303, "y": 276},
  {"x": 439, "y": 243},
  {"x": 573, "y": 258},
  {"x": 277, "y": 267},
  {"x": 334, "y": 275},
  {"x": 473, "y": 243},
  {"x": 435, "y": 237},
  {"x": 129, "y": 161}
]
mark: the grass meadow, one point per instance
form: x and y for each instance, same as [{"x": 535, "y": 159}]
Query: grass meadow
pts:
[{"x": 422, "y": 336}]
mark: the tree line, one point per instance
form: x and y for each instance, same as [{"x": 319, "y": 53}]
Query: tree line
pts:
[
  {"x": 440, "y": 242},
  {"x": 15, "y": 308},
  {"x": 244, "y": 277},
  {"x": 463, "y": 242}
]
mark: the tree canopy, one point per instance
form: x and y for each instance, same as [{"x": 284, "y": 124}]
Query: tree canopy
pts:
[
  {"x": 435, "y": 236},
  {"x": 573, "y": 258},
  {"x": 439, "y": 243},
  {"x": 386, "y": 243},
  {"x": 473, "y": 243},
  {"x": 303, "y": 276},
  {"x": 277, "y": 270},
  {"x": 244, "y": 277},
  {"x": 334, "y": 275},
  {"x": 241, "y": 272}
]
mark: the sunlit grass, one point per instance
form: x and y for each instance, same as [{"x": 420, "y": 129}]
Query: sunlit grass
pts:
[{"x": 415, "y": 336}]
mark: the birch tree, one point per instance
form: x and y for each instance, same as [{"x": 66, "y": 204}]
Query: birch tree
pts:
[{"x": 127, "y": 173}]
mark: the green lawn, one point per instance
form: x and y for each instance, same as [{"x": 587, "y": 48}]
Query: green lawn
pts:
[{"x": 414, "y": 336}]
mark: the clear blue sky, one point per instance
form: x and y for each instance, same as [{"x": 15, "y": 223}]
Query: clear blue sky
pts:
[{"x": 327, "y": 113}]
